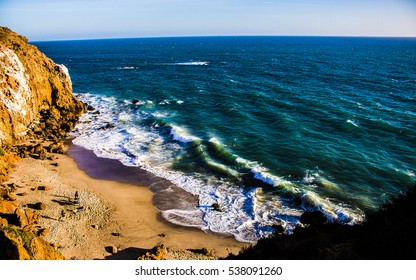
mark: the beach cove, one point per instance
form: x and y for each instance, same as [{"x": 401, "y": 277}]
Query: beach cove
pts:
[
  {"x": 177, "y": 151},
  {"x": 115, "y": 214}
]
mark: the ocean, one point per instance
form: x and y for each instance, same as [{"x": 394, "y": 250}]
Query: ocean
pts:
[{"x": 265, "y": 127}]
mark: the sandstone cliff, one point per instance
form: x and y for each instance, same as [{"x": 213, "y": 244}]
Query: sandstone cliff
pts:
[
  {"x": 35, "y": 94},
  {"x": 36, "y": 102}
]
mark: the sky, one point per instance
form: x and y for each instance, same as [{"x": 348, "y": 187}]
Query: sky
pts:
[{"x": 90, "y": 19}]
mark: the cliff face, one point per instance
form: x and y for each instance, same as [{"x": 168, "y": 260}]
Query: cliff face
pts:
[
  {"x": 36, "y": 97},
  {"x": 37, "y": 104},
  {"x": 33, "y": 87}
]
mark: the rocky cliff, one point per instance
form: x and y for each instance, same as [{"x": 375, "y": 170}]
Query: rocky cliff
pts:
[
  {"x": 35, "y": 95},
  {"x": 36, "y": 103}
]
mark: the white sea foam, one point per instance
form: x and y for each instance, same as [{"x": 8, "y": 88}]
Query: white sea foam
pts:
[
  {"x": 410, "y": 173},
  {"x": 65, "y": 70},
  {"x": 315, "y": 179},
  {"x": 334, "y": 212},
  {"x": 124, "y": 117},
  {"x": 215, "y": 140},
  {"x": 242, "y": 216},
  {"x": 360, "y": 105},
  {"x": 164, "y": 102},
  {"x": 186, "y": 218},
  {"x": 262, "y": 174},
  {"x": 126, "y": 68},
  {"x": 181, "y": 134},
  {"x": 310, "y": 177},
  {"x": 352, "y": 122},
  {"x": 247, "y": 215},
  {"x": 192, "y": 63}
]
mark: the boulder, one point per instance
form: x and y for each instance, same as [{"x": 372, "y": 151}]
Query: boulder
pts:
[
  {"x": 8, "y": 207},
  {"x": 35, "y": 156},
  {"x": 108, "y": 126},
  {"x": 38, "y": 130},
  {"x": 26, "y": 218},
  {"x": 313, "y": 218},
  {"x": 40, "y": 249},
  {"x": 43, "y": 188},
  {"x": 113, "y": 250},
  {"x": 216, "y": 207},
  {"x": 159, "y": 252},
  {"x": 3, "y": 192},
  {"x": 44, "y": 231},
  {"x": 39, "y": 149},
  {"x": 11, "y": 196},
  {"x": 207, "y": 252},
  {"x": 57, "y": 148},
  {"x": 13, "y": 186},
  {"x": 279, "y": 229},
  {"x": 66, "y": 127},
  {"x": 3, "y": 222}
]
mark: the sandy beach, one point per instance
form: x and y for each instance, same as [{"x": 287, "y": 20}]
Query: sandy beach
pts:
[{"x": 115, "y": 210}]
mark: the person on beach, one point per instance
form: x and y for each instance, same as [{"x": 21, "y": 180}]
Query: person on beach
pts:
[{"x": 76, "y": 198}]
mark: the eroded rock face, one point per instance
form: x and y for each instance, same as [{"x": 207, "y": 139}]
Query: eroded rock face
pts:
[
  {"x": 36, "y": 102},
  {"x": 33, "y": 90}
]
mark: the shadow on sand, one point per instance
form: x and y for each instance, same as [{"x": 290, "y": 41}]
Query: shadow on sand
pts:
[{"x": 126, "y": 254}]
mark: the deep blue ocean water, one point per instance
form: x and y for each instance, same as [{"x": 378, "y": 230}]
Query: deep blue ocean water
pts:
[{"x": 267, "y": 127}]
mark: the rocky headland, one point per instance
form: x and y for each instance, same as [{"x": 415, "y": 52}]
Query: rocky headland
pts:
[{"x": 37, "y": 109}]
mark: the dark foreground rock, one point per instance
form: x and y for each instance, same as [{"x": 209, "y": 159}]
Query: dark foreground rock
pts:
[
  {"x": 387, "y": 234},
  {"x": 18, "y": 244}
]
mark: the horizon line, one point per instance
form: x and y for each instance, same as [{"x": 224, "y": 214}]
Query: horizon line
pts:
[{"x": 214, "y": 36}]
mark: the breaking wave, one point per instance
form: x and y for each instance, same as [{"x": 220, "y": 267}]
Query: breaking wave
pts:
[{"x": 250, "y": 196}]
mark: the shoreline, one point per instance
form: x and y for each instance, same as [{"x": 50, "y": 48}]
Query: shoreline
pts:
[{"x": 119, "y": 212}]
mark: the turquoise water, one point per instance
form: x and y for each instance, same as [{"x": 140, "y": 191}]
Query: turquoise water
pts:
[{"x": 267, "y": 127}]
